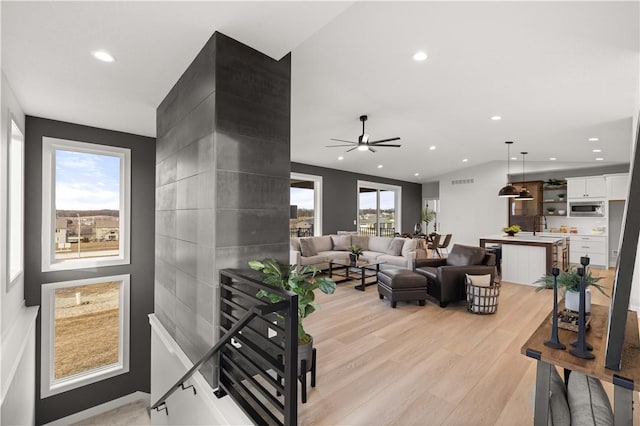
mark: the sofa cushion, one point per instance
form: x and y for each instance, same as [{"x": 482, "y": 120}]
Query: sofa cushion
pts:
[
  {"x": 360, "y": 241},
  {"x": 335, "y": 255},
  {"x": 307, "y": 247},
  {"x": 430, "y": 272},
  {"x": 588, "y": 401},
  {"x": 379, "y": 244},
  {"x": 370, "y": 255},
  {"x": 323, "y": 243},
  {"x": 313, "y": 260},
  {"x": 395, "y": 248},
  {"x": 393, "y": 260},
  {"x": 341, "y": 242},
  {"x": 461, "y": 255},
  {"x": 559, "y": 414},
  {"x": 295, "y": 244}
]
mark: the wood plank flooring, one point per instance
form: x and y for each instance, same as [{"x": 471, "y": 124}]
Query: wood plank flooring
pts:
[{"x": 425, "y": 365}]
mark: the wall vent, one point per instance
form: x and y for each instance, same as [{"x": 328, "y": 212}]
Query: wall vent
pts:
[{"x": 461, "y": 181}]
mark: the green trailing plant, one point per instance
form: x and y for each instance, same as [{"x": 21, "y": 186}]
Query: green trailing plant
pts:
[
  {"x": 512, "y": 229},
  {"x": 556, "y": 182},
  {"x": 551, "y": 209},
  {"x": 427, "y": 216},
  {"x": 569, "y": 280},
  {"x": 303, "y": 282},
  {"x": 355, "y": 250}
]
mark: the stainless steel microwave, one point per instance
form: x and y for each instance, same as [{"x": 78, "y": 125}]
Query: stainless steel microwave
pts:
[{"x": 586, "y": 208}]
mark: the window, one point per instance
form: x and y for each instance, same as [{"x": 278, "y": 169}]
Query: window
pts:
[
  {"x": 305, "y": 217},
  {"x": 85, "y": 204},
  {"x": 15, "y": 209},
  {"x": 378, "y": 209},
  {"x": 85, "y": 332}
]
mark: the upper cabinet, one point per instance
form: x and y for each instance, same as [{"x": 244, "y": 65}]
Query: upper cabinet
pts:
[
  {"x": 617, "y": 186},
  {"x": 586, "y": 187}
]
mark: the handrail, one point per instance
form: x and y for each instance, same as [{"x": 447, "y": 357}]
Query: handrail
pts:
[{"x": 256, "y": 310}]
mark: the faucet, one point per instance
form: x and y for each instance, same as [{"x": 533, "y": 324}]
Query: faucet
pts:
[{"x": 537, "y": 221}]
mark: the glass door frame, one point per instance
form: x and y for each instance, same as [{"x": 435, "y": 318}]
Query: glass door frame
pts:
[
  {"x": 397, "y": 190},
  {"x": 317, "y": 198}
]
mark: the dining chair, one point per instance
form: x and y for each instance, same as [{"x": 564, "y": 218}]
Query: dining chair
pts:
[
  {"x": 434, "y": 245},
  {"x": 445, "y": 244}
]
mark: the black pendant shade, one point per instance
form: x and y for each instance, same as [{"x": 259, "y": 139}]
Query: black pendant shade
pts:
[
  {"x": 524, "y": 194},
  {"x": 508, "y": 190}
]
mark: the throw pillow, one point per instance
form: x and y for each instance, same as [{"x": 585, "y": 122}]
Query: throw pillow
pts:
[
  {"x": 395, "y": 248},
  {"x": 480, "y": 280},
  {"x": 341, "y": 242},
  {"x": 408, "y": 247},
  {"x": 360, "y": 241},
  {"x": 307, "y": 248},
  {"x": 588, "y": 401},
  {"x": 295, "y": 244}
]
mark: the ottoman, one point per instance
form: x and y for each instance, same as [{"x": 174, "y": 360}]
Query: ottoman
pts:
[{"x": 402, "y": 284}]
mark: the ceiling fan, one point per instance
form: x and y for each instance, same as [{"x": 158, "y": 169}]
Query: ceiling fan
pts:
[{"x": 364, "y": 143}]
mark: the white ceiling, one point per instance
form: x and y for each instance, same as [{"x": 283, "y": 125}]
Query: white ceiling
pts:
[{"x": 557, "y": 72}]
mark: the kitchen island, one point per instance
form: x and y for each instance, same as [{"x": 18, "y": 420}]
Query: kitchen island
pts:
[{"x": 527, "y": 257}]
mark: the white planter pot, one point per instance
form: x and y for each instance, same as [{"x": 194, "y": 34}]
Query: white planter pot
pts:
[{"x": 572, "y": 300}]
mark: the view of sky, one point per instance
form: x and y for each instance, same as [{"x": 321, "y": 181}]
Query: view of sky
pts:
[
  {"x": 302, "y": 197},
  {"x": 87, "y": 181}
]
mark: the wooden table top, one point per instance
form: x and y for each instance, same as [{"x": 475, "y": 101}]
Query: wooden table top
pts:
[{"x": 596, "y": 336}]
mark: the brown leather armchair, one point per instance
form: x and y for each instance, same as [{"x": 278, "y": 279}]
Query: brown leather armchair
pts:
[{"x": 446, "y": 277}]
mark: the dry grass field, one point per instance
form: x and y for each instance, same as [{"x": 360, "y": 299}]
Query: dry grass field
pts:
[{"x": 86, "y": 334}]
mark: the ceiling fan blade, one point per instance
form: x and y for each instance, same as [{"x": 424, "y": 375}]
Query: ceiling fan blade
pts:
[
  {"x": 342, "y": 140},
  {"x": 393, "y": 146},
  {"x": 349, "y": 150},
  {"x": 384, "y": 140},
  {"x": 332, "y": 146},
  {"x": 371, "y": 149}
]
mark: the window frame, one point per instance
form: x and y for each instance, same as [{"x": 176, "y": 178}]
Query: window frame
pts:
[
  {"x": 317, "y": 198},
  {"x": 49, "y": 147},
  {"x": 397, "y": 190},
  {"x": 49, "y": 385},
  {"x": 15, "y": 224}
]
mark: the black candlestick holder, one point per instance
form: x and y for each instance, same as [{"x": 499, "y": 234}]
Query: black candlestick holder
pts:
[
  {"x": 554, "y": 342},
  {"x": 582, "y": 348}
]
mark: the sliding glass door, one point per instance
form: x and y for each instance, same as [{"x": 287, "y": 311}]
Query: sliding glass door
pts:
[
  {"x": 378, "y": 209},
  {"x": 305, "y": 215}
]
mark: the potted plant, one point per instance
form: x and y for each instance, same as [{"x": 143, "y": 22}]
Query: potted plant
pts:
[
  {"x": 561, "y": 197},
  {"x": 569, "y": 285},
  {"x": 303, "y": 282},
  {"x": 427, "y": 216},
  {"x": 354, "y": 253},
  {"x": 512, "y": 230},
  {"x": 551, "y": 210}
]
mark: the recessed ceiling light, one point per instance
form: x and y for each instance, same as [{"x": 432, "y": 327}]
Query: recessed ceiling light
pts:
[
  {"x": 416, "y": 174},
  {"x": 362, "y": 148},
  {"x": 594, "y": 139},
  {"x": 432, "y": 147},
  {"x": 552, "y": 158},
  {"x": 103, "y": 56},
  {"x": 380, "y": 166},
  {"x": 496, "y": 118},
  {"x": 419, "y": 56},
  {"x": 599, "y": 159},
  {"x": 340, "y": 158},
  {"x": 464, "y": 160},
  {"x": 596, "y": 150},
  {"x": 514, "y": 158}
]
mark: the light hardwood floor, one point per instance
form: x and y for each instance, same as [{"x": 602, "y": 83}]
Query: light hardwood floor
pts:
[{"x": 425, "y": 365}]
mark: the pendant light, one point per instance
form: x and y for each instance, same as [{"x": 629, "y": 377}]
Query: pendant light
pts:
[
  {"x": 524, "y": 195},
  {"x": 508, "y": 190}
]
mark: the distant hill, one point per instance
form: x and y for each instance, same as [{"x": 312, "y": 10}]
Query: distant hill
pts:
[{"x": 84, "y": 213}]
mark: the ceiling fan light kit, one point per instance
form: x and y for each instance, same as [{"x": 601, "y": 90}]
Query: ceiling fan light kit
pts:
[{"x": 364, "y": 144}]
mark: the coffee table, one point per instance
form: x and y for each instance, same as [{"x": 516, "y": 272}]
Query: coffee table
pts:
[{"x": 361, "y": 270}]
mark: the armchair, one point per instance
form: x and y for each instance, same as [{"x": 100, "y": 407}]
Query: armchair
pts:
[{"x": 446, "y": 277}]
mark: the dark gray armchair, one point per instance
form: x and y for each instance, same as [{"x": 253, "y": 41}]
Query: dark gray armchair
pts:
[{"x": 446, "y": 277}]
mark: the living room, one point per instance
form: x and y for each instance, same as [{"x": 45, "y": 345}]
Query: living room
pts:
[{"x": 485, "y": 61}]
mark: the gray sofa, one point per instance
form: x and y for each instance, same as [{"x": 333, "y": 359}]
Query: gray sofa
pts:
[{"x": 318, "y": 251}]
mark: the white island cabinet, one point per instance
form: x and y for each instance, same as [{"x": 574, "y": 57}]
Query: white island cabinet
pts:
[{"x": 527, "y": 257}]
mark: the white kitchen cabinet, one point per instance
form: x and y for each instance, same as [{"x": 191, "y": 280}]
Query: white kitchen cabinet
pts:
[
  {"x": 586, "y": 187},
  {"x": 594, "y": 246},
  {"x": 617, "y": 186}
]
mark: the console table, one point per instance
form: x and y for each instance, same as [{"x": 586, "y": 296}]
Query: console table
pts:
[{"x": 625, "y": 381}]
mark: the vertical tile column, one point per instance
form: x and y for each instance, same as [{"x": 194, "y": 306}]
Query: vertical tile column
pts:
[{"x": 222, "y": 182}]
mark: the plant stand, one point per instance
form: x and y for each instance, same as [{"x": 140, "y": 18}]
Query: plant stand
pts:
[{"x": 303, "y": 376}]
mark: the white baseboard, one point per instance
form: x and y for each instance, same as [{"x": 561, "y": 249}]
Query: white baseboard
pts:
[{"x": 103, "y": 408}]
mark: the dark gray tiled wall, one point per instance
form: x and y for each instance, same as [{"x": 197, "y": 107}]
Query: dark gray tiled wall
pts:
[{"x": 222, "y": 182}]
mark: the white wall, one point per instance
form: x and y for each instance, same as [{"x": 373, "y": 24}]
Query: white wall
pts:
[
  {"x": 470, "y": 210},
  {"x": 16, "y": 322}
]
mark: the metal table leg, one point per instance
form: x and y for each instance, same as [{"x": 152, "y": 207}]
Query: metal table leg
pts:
[
  {"x": 622, "y": 401},
  {"x": 543, "y": 379}
]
